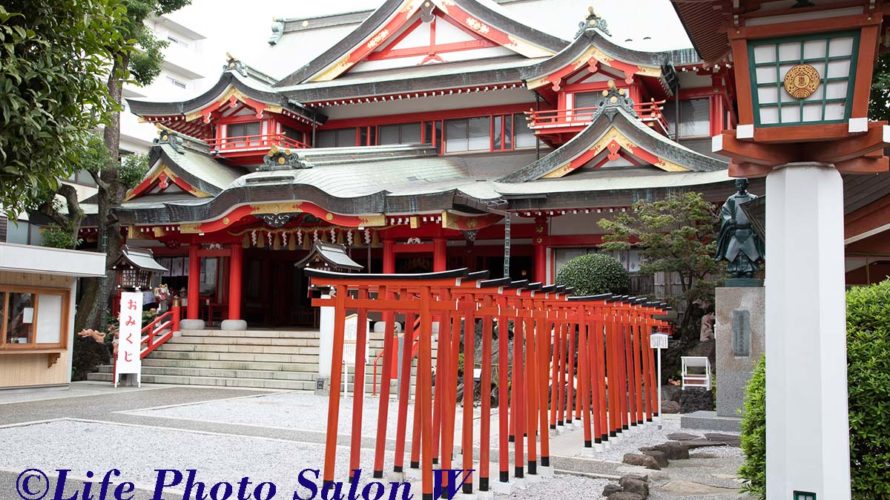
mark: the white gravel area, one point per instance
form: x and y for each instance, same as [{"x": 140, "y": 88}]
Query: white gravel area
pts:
[
  {"x": 289, "y": 410},
  {"x": 138, "y": 450},
  {"x": 301, "y": 411},
  {"x": 564, "y": 487}
]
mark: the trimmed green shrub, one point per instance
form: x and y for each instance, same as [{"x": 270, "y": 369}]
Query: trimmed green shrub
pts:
[
  {"x": 868, "y": 377},
  {"x": 594, "y": 273},
  {"x": 753, "y": 470}
]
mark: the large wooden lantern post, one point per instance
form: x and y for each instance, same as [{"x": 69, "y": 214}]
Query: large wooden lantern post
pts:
[{"x": 802, "y": 73}]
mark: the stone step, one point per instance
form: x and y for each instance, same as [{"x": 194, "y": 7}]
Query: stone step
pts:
[
  {"x": 220, "y": 373},
  {"x": 253, "y": 349},
  {"x": 256, "y": 383},
  {"x": 271, "y": 334},
  {"x": 154, "y": 360},
  {"x": 236, "y": 356},
  {"x": 194, "y": 339}
]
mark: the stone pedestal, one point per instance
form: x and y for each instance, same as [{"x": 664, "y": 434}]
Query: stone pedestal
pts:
[
  {"x": 236, "y": 325},
  {"x": 191, "y": 324},
  {"x": 807, "y": 431},
  {"x": 739, "y": 333}
]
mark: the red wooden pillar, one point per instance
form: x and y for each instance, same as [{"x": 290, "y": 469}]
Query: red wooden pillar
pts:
[
  {"x": 236, "y": 265},
  {"x": 440, "y": 254},
  {"x": 194, "y": 285},
  {"x": 716, "y": 110},
  {"x": 389, "y": 257},
  {"x": 540, "y": 245}
]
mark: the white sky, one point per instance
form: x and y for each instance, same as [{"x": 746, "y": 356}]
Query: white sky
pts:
[{"x": 243, "y": 27}]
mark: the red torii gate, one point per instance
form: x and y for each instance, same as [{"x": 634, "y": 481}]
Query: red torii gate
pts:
[{"x": 608, "y": 335}]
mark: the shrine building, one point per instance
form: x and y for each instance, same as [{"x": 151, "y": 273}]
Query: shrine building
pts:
[{"x": 425, "y": 139}]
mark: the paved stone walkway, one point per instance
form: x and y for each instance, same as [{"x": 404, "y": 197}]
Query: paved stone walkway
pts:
[{"x": 268, "y": 435}]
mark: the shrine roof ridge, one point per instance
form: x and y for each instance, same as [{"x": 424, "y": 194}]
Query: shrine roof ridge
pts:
[
  {"x": 592, "y": 37},
  {"x": 389, "y": 8}
]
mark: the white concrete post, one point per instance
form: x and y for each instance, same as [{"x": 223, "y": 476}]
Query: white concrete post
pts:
[
  {"x": 326, "y": 340},
  {"x": 807, "y": 440}
]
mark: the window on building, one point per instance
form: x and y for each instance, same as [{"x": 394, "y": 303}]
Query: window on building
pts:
[
  {"x": 23, "y": 232},
  {"x": 523, "y": 137},
  {"x": 467, "y": 134},
  {"x": 367, "y": 136},
  {"x": 294, "y": 134},
  {"x": 432, "y": 134},
  {"x": 404, "y": 133},
  {"x": 242, "y": 129},
  {"x": 694, "y": 119},
  {"x": 586, "y": 99},
  {"x": 502, "y": 133},
  {"x": 341, "y": 138},
  {"x": 32, "y": 318}
]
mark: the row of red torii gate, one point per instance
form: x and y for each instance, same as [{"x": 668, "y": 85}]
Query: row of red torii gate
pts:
[{"x": 579, "y": 359}]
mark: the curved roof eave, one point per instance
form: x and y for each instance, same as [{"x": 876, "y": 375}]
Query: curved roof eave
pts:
[
  {"x": 636, "y": 131},
  {"x": 592, "y": 38},
  {"x": 228, "y": 79}
]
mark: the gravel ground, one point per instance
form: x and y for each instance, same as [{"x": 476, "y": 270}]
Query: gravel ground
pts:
[
  {"x": 137, "y": 450},
  {"x": 564, "y": 487},
  {"x": 303, "y": 412}
]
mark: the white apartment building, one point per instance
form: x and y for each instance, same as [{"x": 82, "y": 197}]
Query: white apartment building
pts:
[{"x": 183, "y": 72}]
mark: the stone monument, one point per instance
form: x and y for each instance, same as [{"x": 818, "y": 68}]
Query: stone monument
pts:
[{"x": 739, "y": 305}]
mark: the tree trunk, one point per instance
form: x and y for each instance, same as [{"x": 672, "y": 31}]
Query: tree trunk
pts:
[{"x": 91, "y": 311}]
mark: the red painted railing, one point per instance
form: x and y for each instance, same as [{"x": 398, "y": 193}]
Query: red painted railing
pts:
[
  {"x": 258, "y": 141},
  {"x": 649, "y": 112}
]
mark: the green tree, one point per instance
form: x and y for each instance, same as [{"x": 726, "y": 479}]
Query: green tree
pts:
[
  {"x": 138, "y": 63},
  {"x": 54, "y": 60},
  {"x": 676, "y": 235},
  {"x": 879, "y": 101}
]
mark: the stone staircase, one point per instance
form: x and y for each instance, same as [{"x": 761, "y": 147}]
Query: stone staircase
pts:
[
  {"x": 260, "y": 359},
  {"x": 273, "y": 359}
]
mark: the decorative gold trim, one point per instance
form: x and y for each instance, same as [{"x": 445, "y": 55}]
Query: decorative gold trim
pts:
[
  {"x": 801, "y": 81},
  {"x": 373, "y": 220},
  {"x": 276, "y": 208}
]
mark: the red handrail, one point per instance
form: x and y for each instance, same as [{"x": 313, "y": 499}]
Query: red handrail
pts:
[
  {"x": 255, "y": 141},
  {"x": 650, "y": 112}
]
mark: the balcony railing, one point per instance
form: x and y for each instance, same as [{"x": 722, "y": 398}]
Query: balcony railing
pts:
[
  {"x": 254, "y": 142},
  {"x": 649, "y": 112}
]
